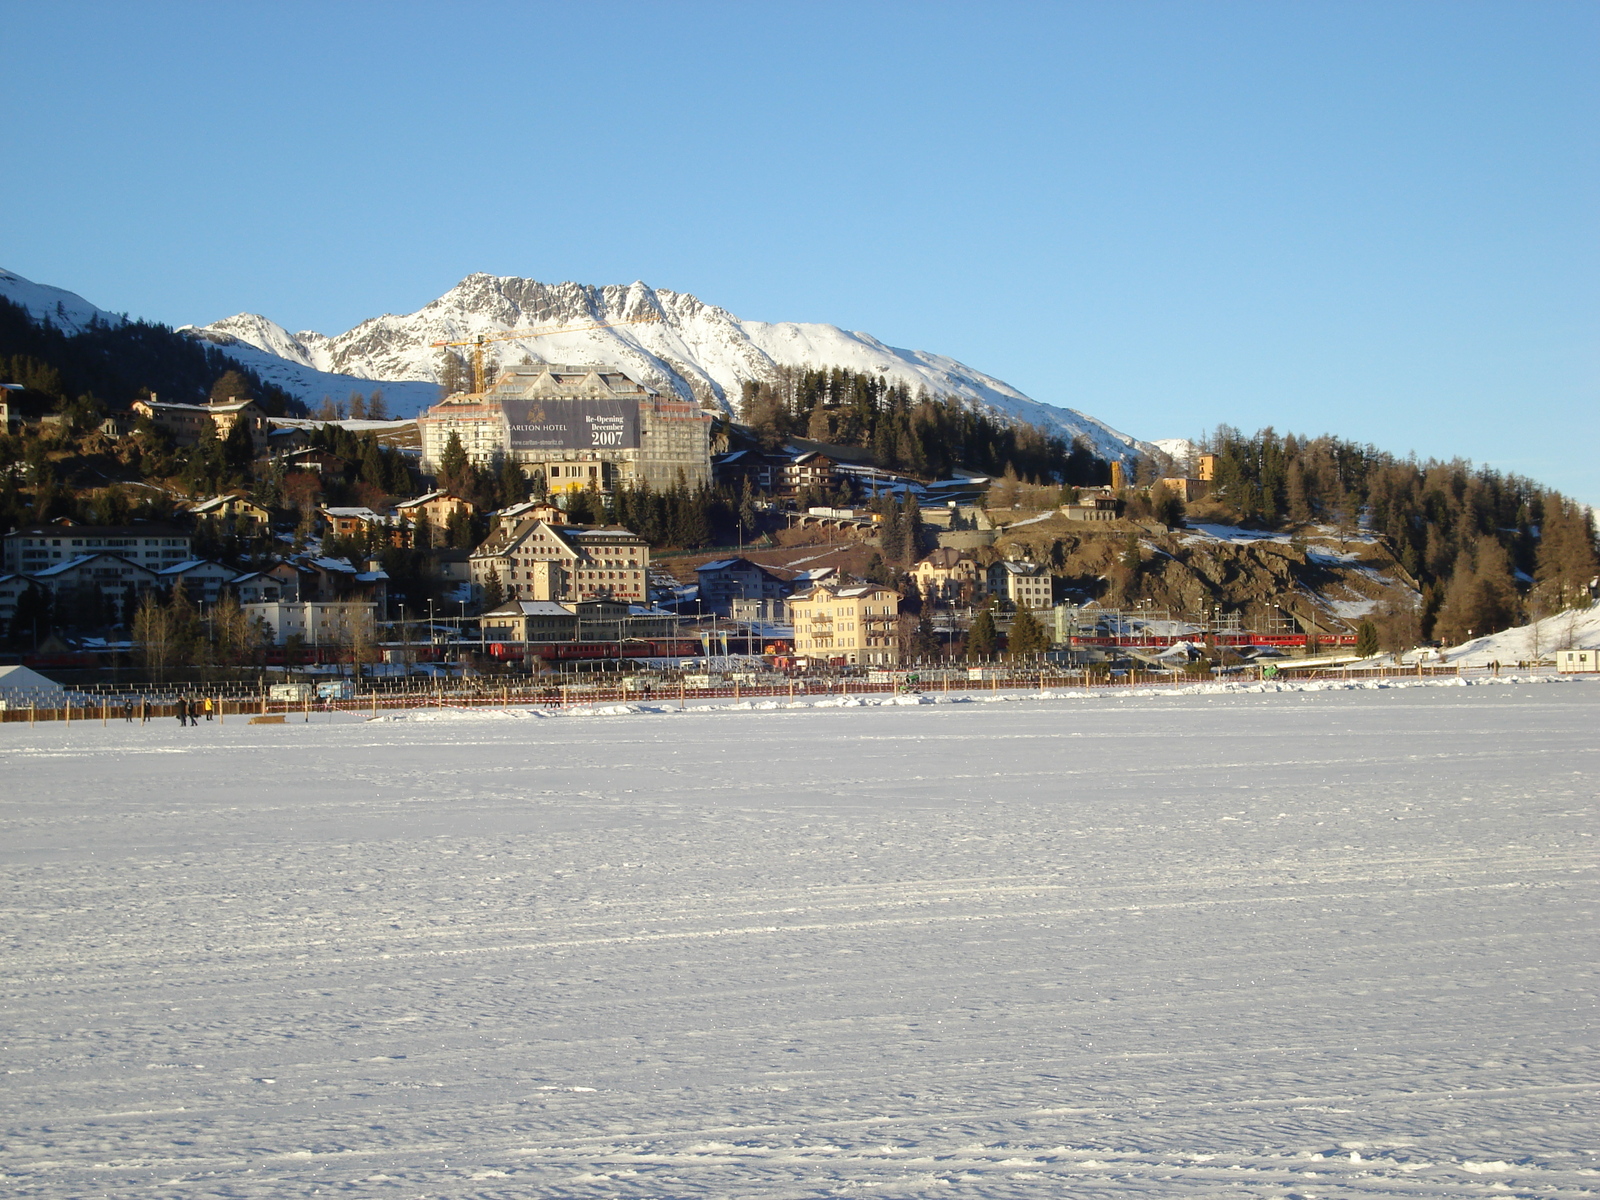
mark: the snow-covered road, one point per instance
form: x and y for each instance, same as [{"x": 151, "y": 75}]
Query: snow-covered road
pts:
[{"x": 1333, "y": 944}]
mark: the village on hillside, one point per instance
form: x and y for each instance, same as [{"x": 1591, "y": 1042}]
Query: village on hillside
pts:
[{"x": 571, "y": 519}]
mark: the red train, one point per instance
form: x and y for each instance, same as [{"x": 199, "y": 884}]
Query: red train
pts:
[
  {"x": 570, "y": 651},
  {"x": 1220, "y": 639}
]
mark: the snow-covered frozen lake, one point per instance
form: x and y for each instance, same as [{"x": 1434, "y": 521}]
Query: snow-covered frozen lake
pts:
[{"x": 1332, "y": 944}]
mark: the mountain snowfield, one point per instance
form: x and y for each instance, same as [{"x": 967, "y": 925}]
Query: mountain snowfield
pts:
[{"x": 695, "y": 349}]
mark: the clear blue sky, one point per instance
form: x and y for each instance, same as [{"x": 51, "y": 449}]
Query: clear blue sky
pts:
[{"x": 1373, "y": 219}]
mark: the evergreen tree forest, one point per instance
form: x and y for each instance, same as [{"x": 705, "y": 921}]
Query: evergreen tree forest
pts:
[
  {"x": 1486, "y": 549},
  {"x": 926, "y": 437},
  {"x": 113, "y": 365}
]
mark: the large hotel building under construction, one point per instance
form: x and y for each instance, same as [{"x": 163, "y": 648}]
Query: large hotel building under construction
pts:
[{"x": 578, "y": 425}]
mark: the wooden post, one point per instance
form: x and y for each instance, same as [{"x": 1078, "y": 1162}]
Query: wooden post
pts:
[
  {"x": 69, "y": 712},
  {"x": 31, "y": 707},
  {"x": 102, "y": 712},
  {"x": 682, "y": 694}
]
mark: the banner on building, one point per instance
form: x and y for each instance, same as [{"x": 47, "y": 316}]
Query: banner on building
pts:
[{"x": 572, "y": 424}]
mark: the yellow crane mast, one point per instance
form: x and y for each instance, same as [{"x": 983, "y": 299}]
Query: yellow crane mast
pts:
[{"x": 518, "y": 335}]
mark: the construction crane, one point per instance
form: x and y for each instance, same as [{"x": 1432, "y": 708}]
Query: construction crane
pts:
[{"x": 518, "y": 335}]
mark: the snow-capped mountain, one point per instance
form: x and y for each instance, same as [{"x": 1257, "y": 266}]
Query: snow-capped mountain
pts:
[
  {"x": 1180, "y": 450},
  {"x": 67, "y": 311},
  {"x": 695, "y": 349},
  {"x": 71, "y": 313}
]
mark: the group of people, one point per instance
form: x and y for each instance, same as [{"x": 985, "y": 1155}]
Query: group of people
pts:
[{"x": 190, "y": 711}]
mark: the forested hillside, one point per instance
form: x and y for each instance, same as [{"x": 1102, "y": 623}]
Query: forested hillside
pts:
[
  {"x": 1486, "y": 548},
  {"x": 920, "y": 434},
  {"x": 111, "y": 365}
]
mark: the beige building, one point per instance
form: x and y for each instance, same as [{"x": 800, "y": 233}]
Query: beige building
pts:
[
  {"x": 949, "y": 576},
  {"x": 235, "y": 509},
  {"x": 854, "y": 625},
  {"x": 537, "y": 560},
  {"x": 184, "y": 422},
  {"x": 579, "y": 425},
  {"x": 439, "y": 507}
]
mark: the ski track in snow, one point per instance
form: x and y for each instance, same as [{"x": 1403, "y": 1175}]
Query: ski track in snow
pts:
[{"x": 1330, "y": 943}]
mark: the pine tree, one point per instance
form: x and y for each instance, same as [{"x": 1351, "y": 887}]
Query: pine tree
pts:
[
  {"x": 1366, "y": 639},
  {"x": 749, "y": 515},
  {"x": 981, "y": 638},
  {"x": 455, "y": 472},
  {"x": 493, "y": 593},
  {"x": 373, "y": 469},
  {"x": 910, "y": 531},
  {"x": 512, "y": 485},
  {"x": 1028, "y": 636},
  {"x": 239, "y": 448}
]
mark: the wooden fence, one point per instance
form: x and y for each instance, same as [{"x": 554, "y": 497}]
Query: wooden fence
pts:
[{"x": 104, "y": 710}]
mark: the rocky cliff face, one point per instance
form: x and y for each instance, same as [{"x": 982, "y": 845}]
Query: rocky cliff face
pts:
[
  {"x": 698, "y": 350},
  {"x": 1267, "y": 578}
]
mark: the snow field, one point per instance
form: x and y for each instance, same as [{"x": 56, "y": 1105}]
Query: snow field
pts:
[{"x": 1210, "y": 943}]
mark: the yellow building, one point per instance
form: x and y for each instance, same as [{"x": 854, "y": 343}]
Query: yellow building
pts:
[
  {"x": 184, "y": 422},
  {"x": 438, "y": 507},
  {"x": 949, "y": 576},
  {"x": 233, "y": 508},
  {"x": 855, "y": 625}
]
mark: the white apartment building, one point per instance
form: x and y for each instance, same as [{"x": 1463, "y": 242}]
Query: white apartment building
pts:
[{"x": 38, "y": 547}]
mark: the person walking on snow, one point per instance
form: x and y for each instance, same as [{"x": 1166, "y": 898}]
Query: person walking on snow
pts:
[
  {"x": 208, "y": 708},
  {"x": 183, "y": 711}
]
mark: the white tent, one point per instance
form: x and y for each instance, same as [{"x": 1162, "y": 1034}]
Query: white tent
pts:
[{"x": 21, "y": 686}]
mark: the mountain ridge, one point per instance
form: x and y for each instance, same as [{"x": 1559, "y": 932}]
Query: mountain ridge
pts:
[{"x": 698, "y": 350}]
